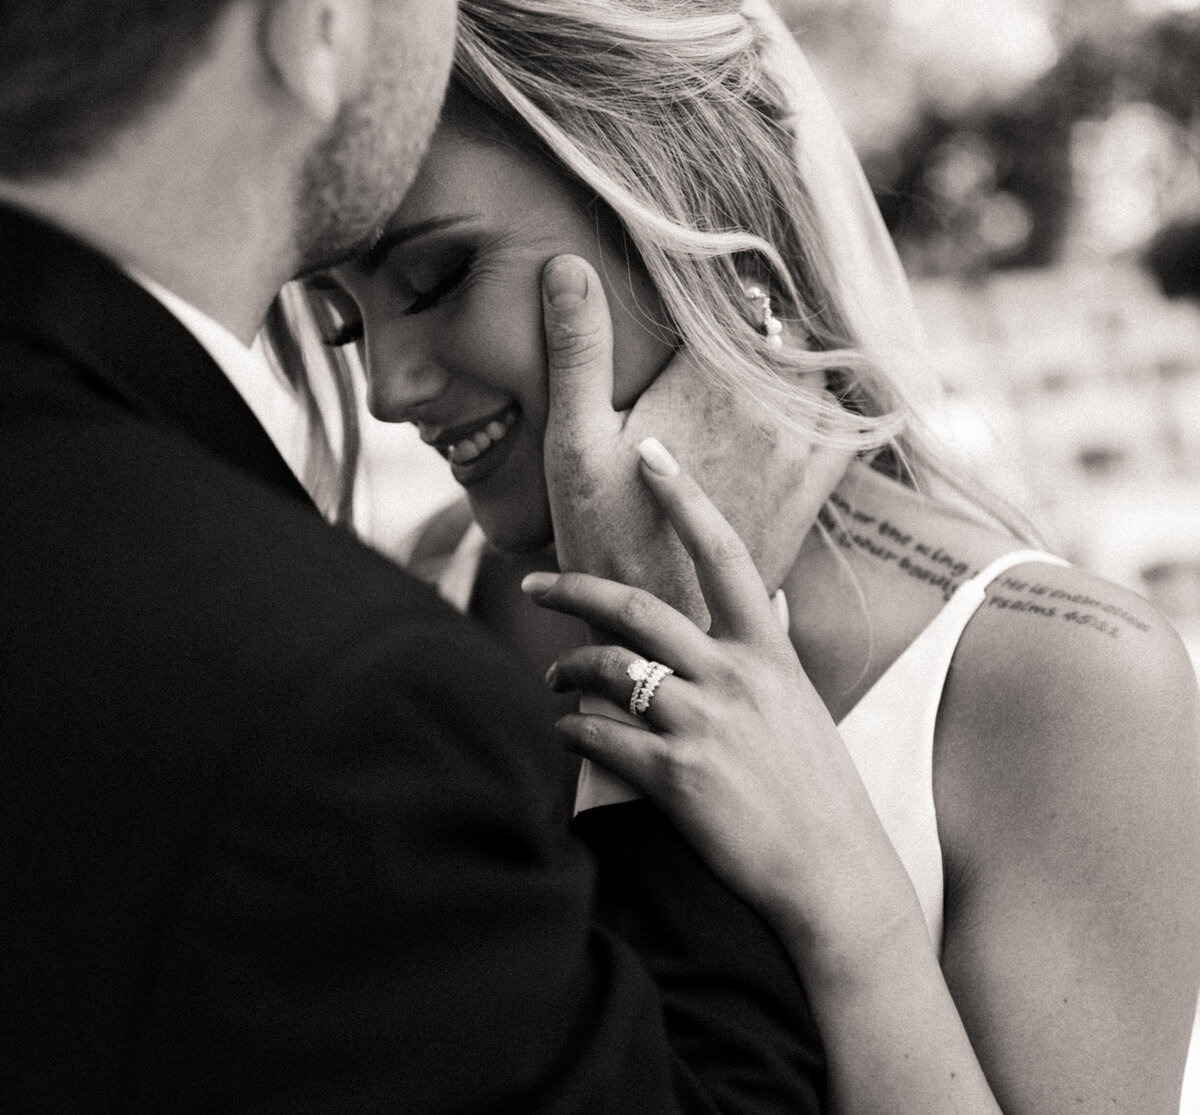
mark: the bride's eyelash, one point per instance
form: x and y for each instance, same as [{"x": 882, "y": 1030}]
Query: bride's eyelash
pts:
[
  {"x": 426, "y": 299},
  {"x": 339, "y": 321},
  {"x": 335, "y": 312},
  {"x": 348, "y": 333}
]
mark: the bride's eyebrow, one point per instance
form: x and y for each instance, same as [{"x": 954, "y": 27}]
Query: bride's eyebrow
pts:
[{"x": 391, "y": 238}]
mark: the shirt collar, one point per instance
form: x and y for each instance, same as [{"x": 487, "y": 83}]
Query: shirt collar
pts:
[{"x": 276, "y": 406}]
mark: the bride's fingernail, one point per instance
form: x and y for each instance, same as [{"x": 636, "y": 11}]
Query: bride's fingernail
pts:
[
  {"x": 538, "y": 584},
  {"x": 657, "y": 459},
  {"x": 552, "y": 674}
]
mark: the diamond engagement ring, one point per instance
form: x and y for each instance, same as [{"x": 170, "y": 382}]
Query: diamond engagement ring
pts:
[{"x": 646, "y": 678}]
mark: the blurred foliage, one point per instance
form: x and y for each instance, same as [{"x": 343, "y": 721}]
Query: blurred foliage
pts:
[
  {"x": 1167, "y": 67},
  {"x": 1173, "y": 259},
  {"x": 993, "y": 183}
]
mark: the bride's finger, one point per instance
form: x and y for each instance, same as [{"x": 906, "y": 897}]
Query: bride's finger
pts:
[
  {"x": 625, "y": 678},
  {"x": 634, "y": 616},
  {"x": 632, "y": 754},
  {"x": 734, "y": 592}
]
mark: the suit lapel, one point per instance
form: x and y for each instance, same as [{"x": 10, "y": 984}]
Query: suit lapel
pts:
[{"x": 63, "y": 295}]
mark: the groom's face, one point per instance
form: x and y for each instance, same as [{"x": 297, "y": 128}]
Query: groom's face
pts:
[{"x": 358, "y": 174}]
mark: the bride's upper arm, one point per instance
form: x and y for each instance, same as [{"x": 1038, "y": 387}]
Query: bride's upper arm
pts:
[{"x": 1068, "y": 795}]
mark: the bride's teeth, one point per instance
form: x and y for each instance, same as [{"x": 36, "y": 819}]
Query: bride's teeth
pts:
[
  {"x": 482, "y": 440},
  {"x": 464, "y": 451}
]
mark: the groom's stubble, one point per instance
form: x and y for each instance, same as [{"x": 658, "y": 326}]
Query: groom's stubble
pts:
[{"x": 360, "y": 171}]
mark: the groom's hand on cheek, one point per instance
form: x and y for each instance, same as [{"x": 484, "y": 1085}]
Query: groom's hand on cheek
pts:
[
  {"x": 767, "y": 479},
  {"x": 605, "y": 520}
]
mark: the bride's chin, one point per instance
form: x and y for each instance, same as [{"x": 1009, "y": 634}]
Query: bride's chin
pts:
[{"x": 512, "y": 536}]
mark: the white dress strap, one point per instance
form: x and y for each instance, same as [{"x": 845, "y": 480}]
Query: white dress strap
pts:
[
  {"x": 1011, "y": 561},
  {"x": 890, "y": 735}
]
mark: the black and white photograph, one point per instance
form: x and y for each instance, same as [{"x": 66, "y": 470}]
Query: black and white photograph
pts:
[{"x": 600, "y": 557}]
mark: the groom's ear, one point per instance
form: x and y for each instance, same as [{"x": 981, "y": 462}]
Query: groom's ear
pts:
[{"x": 317, "y": 51}]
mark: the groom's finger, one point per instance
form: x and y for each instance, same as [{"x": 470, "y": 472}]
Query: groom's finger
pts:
[
  {"x": 580, "y": 352},
  {"x": 635, "y": 616}
]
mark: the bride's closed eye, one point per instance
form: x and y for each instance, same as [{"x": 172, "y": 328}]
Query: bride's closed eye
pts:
[
  {"x": 423, "y": 300},
  {"x": 339, "y": 320}
]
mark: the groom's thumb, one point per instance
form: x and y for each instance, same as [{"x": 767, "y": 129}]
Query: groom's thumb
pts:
[{"x": 579, "y": 349}]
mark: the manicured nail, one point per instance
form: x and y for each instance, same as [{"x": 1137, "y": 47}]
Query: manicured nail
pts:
[
  {"x": 538, "y": 584},
  {"x": 657, "y": 459},
  {"x": 565, "y": 283},
  {"x": 552, "y": 674}
]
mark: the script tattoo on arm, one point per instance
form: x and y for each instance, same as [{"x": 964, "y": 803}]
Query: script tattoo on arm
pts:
[
  {"x": 1078, "y": 608},
  {"x": 853, "y": 529}
]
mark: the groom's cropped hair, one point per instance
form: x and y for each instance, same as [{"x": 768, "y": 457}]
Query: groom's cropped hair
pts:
[{"x": 74, "y": 73}]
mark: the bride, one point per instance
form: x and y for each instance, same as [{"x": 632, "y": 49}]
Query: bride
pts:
[{"x": 964, "y": 787}]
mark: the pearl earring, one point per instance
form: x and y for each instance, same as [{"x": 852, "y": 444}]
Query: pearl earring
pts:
[{"x": 771, "y": 326}]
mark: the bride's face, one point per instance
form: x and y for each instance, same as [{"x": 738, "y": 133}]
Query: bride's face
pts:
[{"x": 451, "y": 307}]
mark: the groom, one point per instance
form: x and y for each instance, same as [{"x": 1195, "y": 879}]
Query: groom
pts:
[{"x": 276, "y": 826}]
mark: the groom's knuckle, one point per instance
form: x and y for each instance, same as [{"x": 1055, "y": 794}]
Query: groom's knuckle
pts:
[
  {"x": 572, "y": 461},
  {"x": 590, "y": 733},
  {"x": 572, "y": 345}
]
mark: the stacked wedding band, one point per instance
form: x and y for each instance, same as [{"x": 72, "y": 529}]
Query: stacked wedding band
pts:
[{"x": 646, "y": 677}]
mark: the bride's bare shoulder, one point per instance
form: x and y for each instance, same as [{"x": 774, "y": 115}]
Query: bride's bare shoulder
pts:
[
  {"x": 1057, "y": 634},
  {"x": 1071, "y": 706}
]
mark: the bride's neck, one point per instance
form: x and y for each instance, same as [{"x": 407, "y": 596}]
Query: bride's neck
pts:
[{"x": 872, "y": 575}]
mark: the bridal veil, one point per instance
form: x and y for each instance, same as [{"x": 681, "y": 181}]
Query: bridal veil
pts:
[{"x": 875, "y": 293}]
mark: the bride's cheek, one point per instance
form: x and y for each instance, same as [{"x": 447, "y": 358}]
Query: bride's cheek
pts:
[{"x": 505, "y": 327}]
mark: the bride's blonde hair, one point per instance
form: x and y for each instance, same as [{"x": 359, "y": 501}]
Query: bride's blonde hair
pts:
[{"x": 664, "y": 111}]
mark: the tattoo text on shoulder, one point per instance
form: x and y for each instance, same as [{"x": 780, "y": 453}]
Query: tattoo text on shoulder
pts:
[{"x": 1077, "y": 608}]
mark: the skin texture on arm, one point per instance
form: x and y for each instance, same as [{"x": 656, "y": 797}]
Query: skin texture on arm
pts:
[
  {"x": 1034, "y": 917},
  {"x": 1068, "y": 788}
]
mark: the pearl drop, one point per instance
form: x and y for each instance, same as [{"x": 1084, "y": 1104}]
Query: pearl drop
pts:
[
  {"x": 774, "y": 327},
  {"x": 775, "y": 341}
]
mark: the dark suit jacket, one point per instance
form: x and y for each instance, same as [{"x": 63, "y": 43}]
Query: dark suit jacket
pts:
[{"x": 275, "y": 824}]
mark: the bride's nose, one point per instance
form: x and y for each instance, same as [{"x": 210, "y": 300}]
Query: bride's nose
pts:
[{"x": 401, "y": 382}]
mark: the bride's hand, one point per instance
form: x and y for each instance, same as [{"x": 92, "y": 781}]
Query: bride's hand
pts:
[{"x": 736, "y": 745}]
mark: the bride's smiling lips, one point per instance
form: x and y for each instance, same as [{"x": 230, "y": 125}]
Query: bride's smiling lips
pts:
[{"x": 477, "y": 448}]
